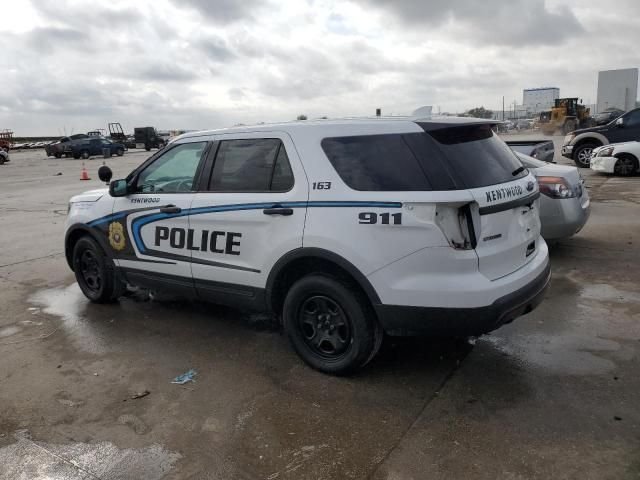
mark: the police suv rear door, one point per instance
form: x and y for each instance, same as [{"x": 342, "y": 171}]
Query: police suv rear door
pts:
[
  {"x": 504, "y": 216},
  {"x": 249, "y": 212},
  {"x": 149, "y": 230}
]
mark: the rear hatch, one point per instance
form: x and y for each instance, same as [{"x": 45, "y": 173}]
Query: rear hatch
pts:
[{"x": 503, "y": 222}]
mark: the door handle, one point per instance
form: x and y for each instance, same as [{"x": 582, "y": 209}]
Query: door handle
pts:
[
  {"x": 170, "y": 209},
  {"x": 278, "y": 210}
]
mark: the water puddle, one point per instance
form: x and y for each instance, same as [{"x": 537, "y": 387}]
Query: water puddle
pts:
[
  {"x": 568, "y": 354},
  {"x": 70, "y": 305},
  {"x": 34, "y": 460},
  {"x": 607, "y": 293}
]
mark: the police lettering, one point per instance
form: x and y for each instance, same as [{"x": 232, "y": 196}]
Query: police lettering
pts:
[{"x": 207, "y": 241}]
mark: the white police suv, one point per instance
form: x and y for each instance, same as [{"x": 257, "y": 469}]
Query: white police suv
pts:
[{"x": 344, "y": 229}]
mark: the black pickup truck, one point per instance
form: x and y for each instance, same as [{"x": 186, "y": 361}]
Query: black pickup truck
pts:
[
  {"x": 94, "y": 146},
  {"x": 578, "y": 145}
]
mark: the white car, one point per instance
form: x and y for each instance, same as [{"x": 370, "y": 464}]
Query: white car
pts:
[
  {"x": 343, "y": 229},
  {"x": 564, "y": 200},
  {"x": 618, "y": 158}
]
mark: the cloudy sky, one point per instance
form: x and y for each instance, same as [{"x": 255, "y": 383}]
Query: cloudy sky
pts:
[{"x": 69, "y": 65}]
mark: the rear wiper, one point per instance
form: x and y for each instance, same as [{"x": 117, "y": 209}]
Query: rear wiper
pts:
[{"x": 517, "y": 171}]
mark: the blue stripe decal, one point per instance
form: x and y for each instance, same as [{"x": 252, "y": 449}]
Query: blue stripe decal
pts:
[
  {"x": 138, "y": 223},
  {"x": 106, "y": 219}
]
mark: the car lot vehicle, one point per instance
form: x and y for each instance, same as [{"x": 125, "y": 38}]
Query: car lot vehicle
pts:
[
  {"x": 541, "y": 149},
  {"x": 579, "y": 145},
  {"x": 618, "y": 158},
  {"x": 607, "y": 116},
  {"x": 94, "y": 146},
  {"x": 564, "y": 201},
  {"x": 148, "y": 138},
  {"x": 566, "y": 115},
  {"x": 312, "y": 222},
  {"x": 4, "y": 156},
  {"x": 6, "y": 140},
  {"x": 63, "y": 146}
]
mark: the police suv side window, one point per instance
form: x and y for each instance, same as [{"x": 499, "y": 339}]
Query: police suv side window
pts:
[
  {"x": 376, "y": 163},
  {"x": 172, "y": 172},
  {"x": 251, "y": 165}
]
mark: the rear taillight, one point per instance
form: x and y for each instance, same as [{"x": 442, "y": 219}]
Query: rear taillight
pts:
[{"x": 555, "y": 187}]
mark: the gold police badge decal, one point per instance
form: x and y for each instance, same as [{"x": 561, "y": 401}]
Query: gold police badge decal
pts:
[{"x": 116, "y": 235}]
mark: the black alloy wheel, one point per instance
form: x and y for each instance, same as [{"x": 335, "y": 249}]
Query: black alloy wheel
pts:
[
  {"x": 625, "y": 166},
  {"x": 582, "y": 155},
  {"x": 94, "y": 274},
  {"x": 324, "y": 326},
  {"x": 89, "y": 269},
  {"x": 331, "y": 324}
]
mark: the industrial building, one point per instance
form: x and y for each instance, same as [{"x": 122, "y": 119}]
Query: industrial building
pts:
[
  {"x": 537, "y": 99},
  {"x": 617, "y": 89}
]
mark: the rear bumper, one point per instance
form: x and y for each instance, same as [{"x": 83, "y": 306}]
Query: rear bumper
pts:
[
  {"x": 442, "y": 321},
  {"x": 562, "y": 218}
]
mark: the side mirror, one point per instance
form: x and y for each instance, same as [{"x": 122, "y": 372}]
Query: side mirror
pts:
[
  {"x": 105, "y": 174},
  {"x": 118, "y": 188},
  {"x": 620, "y": 122}
]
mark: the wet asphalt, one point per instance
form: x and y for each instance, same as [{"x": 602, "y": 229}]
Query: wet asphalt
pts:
[{"x": 552, "y": 395}]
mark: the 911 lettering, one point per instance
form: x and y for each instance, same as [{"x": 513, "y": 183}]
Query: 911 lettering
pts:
[{"x": 208, "y": 241}]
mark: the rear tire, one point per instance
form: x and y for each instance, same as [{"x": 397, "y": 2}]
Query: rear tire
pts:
[
  {"x": 582, "y": 154},
  {"x": 94, "y": 272},
  {"x": 57, "y": 155},
  {"x": 626, "y": 165},
  {"x": 147, "y": 147},
  {"x": 331, "y": 326},
  {"x": 120, "y": 152},
  {"x": 76, "y": 156}
]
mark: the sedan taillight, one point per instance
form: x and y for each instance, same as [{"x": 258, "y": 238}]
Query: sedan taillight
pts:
[{"x": 555, "y": 187}]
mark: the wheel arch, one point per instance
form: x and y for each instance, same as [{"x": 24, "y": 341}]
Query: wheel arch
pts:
[
  {"x": 302, "y": 261},
  {"x": 74, "y": 233},
  {"x": 590, "y": 137}
]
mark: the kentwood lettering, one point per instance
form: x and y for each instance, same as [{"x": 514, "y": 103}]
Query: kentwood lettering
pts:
[{"x": 501, "y": 193}]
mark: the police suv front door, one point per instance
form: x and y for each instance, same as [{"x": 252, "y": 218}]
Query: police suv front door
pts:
[
  {"x": 251, "y": 214},
  {"x": 155, "y": 250}
]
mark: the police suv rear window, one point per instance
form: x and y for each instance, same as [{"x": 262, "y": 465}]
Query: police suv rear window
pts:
[{"x": 475, "y": 155}]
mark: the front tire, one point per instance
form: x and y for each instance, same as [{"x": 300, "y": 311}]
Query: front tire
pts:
[
  {"x": 94, "y": 274},
  {"x": 582, "y": 154},
  {"x": 85, "y": 154},
  {"x": 57, "y": 155},
  {"x": 331, "y": 326},
  {"x": 625, "y": 166}
]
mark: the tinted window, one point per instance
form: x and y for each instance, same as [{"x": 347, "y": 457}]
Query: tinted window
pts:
[
  {"x": 282, "y": 175},
  {"x": 375, "y": 163},
  {"x": 476, "y": 156},
  {"x": 173, "y": 171},
  {"x": 632, "y": 119},
  {"x": 250, "y": 165}
]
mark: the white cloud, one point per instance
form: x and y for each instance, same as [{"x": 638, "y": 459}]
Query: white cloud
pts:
[{"x": 201, "y": 64}]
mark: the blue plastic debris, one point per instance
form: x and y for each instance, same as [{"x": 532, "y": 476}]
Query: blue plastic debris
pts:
[{"x": 185, "y": 377}]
